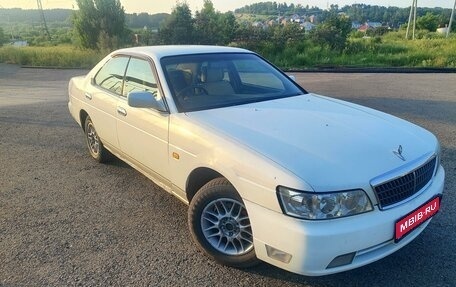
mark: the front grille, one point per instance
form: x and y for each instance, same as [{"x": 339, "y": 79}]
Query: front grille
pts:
[{"x": 399, "y": 189}]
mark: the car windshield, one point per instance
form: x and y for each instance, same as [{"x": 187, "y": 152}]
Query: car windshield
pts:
[{"x": 208, "y": 81}]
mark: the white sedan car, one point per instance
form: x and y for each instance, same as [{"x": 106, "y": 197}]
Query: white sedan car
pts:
[{"x": 270, "y": 172}]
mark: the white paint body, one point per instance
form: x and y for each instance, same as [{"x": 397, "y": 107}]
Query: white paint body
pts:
[{"x": 307, "y": 142}]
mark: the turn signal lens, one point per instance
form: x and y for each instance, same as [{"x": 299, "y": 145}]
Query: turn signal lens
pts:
[{"x": 277, "y": 254}]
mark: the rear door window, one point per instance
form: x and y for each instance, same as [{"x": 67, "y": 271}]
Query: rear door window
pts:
[{"x": 110, "y": 76}]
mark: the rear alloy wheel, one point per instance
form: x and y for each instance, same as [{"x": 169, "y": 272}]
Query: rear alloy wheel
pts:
[
  {"x": 96, "y": 148},
  {"x": 220, "y": 225}
]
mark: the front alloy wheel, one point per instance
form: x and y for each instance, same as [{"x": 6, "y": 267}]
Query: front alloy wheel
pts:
[
  {"x": 226, "y": 226},
  {"x": 220, "y": 225}
]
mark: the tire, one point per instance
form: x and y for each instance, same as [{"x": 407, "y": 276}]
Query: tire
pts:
[
  {"x": 220, "y": 225},
  {"x": 94, "y": 144}
]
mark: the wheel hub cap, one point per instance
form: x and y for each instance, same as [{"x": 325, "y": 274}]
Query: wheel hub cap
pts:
[
  {"x": 229, "y": 227},
  {"x": 226, "y": 226}
]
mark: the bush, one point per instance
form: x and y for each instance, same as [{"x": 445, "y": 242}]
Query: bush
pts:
[
  {"x": 355, "y": 34},
  {"x": 333, "y": 32}
]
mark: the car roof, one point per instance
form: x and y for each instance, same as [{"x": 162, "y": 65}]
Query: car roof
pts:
[{"x": 158, "y": 52}]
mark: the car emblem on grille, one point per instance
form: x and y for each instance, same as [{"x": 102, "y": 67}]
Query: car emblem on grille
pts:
[{"x": 398, "y": 153}]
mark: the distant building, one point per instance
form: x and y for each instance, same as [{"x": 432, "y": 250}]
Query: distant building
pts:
[
  {"x": 374, "y": 24},
  {"x": 356, "y": 25},
  {"x": 312, "y": 18},
  {"x": 258, "y": 24},
  {"x": 363, "y": 28},
  {"x": 19, "y": 43},
  {"x": 369, "y": 25},
  {"x": 307, "y": 26},
  {"x": 296, "y": 19},
  {"x": 442, "y": 30}
]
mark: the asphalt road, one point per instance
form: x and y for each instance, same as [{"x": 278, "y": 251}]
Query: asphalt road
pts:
[{"x": 66, "y": 220}]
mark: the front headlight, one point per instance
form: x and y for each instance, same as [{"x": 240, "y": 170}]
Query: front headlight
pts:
[{"x": 311, "y": 205}]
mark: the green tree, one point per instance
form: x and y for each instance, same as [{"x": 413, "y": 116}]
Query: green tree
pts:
[
  {"x": 206, "y": 24},
  {"x": 86, "y": 24},
  {"x": 228, "y": 27},
  {"x": 177, "y": 28},
  {"x": 428, "y": 22},
  {"x": 287, "y": 34},
  {"x": 333, "y": 32},
  {"x": 99, "y": 24},
  {"x": 112, "y": 23},
  {"x": 2, "y": 37},
  {"x": 212, "y": 27}
]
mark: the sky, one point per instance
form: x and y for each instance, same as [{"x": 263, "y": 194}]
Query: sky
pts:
[{"x": 166, "y": 6}]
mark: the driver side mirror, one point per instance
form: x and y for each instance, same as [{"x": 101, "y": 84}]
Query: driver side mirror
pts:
[{"x": 145, "y": 99}]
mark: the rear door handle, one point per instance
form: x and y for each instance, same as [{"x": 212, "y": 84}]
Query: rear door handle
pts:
[
  {"x": 121, "y": 111},
  {"x": 88, "y": 96}
]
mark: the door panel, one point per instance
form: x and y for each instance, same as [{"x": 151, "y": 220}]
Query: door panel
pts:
[
  {"x": 103, "y": 95},
  {"x": 143, "y": 133}
]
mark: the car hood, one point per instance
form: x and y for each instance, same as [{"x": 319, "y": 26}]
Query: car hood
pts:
[{"x": 328, "y": 143}]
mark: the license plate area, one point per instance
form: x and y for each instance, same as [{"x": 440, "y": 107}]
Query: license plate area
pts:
[{"x": 411, "y": 221}]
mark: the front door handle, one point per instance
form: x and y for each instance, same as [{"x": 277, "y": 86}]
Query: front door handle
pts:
[
  {"x": 121, "y": 111},
  {"x": 88, "y": 96}
]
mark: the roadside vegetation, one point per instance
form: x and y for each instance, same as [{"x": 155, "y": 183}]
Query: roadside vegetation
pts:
[
  {"x": 62, "y": 56},
  {"x": 390, "y": 50},
  {"x": 84, "y": 36}
]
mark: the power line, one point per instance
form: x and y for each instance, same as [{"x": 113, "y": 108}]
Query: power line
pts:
[{"x": 43, "y": 19}]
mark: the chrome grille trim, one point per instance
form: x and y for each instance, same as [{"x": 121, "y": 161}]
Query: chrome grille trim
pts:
[{"x": 406, "y": 186}]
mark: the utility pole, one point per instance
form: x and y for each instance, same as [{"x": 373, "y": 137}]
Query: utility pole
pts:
[
  {"x": 451, "y": 20},
  {"x": 412, "y": 12},
  {"x": 43, "y": 19}
]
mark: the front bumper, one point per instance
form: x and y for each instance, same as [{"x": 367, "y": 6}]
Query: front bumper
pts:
[{"x": 313, "y": 245}]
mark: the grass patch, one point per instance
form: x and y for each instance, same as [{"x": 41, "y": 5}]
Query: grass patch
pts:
[
  {"x": 57, "y": 56},
  {"x": 391, "y": 50},
  {"x": 394, "y": 51}
]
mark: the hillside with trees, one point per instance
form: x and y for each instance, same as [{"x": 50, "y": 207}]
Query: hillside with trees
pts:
[
  {"x": 291, "y": 36},
  {"x": 32, "y": 17},
  {"x": 25, "y": 24},
  {"x": 393, "y": 16}
]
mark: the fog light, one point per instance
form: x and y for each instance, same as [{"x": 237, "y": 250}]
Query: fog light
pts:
[
  {"x": 342, "y": 260},
  {"x": 278, "y": 254}
]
